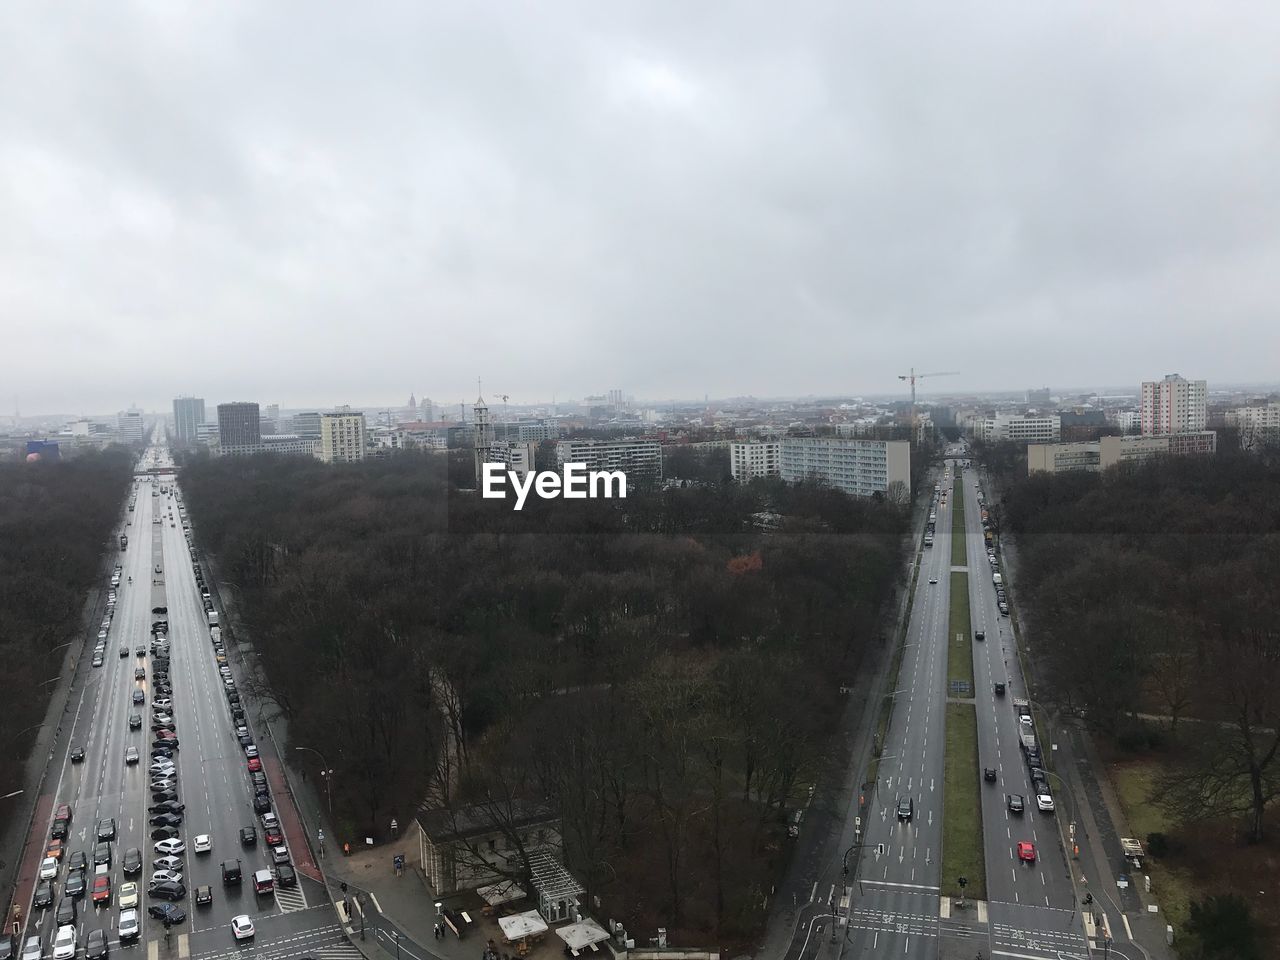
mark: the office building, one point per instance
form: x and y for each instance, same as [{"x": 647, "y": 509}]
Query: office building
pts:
[
  {"x": 641, "y": 460},
  {"x": 1109, "y": 451},
  {"x": 130, "y": 426},
  {"x": 239, "y": 429},
  {"x": 188, "y": 414},
  {"x": 1172, "y": 405},
  {"x": 290, "y": 444},
  {"x": 1039, "y": 398},
  {"x": 1018, "y": 428},
  {"x": 1062, "y": 457},
  {"x": 861, "y": 468},
  {"x": 307, "y": 425},
  {"x": 750, "y": 460},
  {"x": 342, "y": 436}
]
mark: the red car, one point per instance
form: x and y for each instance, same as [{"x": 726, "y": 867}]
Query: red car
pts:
[
  {"x": 102, "y": 888},
  {"x": 254, "y": 764},
  {"x": 1026, "y": 851},
  {"x": 273, "y": 838}
]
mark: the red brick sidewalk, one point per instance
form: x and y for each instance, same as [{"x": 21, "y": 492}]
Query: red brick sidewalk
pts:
[
  {"x": 31, "y": 857},
  {"x": 287, "y": 812}
]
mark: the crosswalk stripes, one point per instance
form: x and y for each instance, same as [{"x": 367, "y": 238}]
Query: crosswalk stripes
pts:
[
  {"x": 290, "y": 899},
  {"x": 338, "y": 951}
]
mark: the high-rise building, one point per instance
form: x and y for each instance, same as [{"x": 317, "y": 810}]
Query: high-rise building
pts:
[
  {"x": 750, "y": 460},
  {"x": 271, "y": 423},
  {"x": 307, "y": 425},
  {"x": 1039, "y": 398},
  {"x": 860, "y": 468},
  {"x": 426, "y": 410},
  {"x": 188, "y": 414},
  {"x": 239, "y": 429},
  {"x": 342, "y": 436},
  {"x": 129, "y": 423},
  {"x": 1173, "y": 405},
  {"x": 640, "y": 460}
]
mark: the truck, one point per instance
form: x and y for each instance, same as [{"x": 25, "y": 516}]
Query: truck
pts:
[
  {"x": 215, "y": 634},
  {"x": 1132, "y": 850},
  {"x": 213, "y": 618},
  {"x": 1022, "y": 706},
  {"x": 124, "y": 541},
  {"x": 1029, "y": 743}
]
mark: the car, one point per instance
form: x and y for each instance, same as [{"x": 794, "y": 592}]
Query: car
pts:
[
  {"x": 167, "y": 806},
  {"x": 64, "y": 943},
  {"x": 77, "y": 754},
  {"x": 95, "y": 945},
  {"x": 75, "y": 884},
  {"x": 244, "y": 738},
  {"x": 102, "y": 854},
  {"x": 1015, "y": 802},
  {"x": 107, "y": 828},
  {"x": 286, "y": 876},
  {"x": 135, "y": 721},
  {"x": 163, "y": 767},
  {"x": 139, "y": 673},
  {"x": 989, "y": 774},
  {"x": 161, "y": 753},
  {"x": 127, "y": 895},
  {"x": 163, "y": 783},
  {"x": 230, "y": 872},
  {"x": 131, "y": 862},
  {"x": 248, "y": 836},
  {"x": 242, "y": 927},
  {"x": 164, "y": 833},
  {"x": 1024, "y": 721},
  {"x": 49, "y": 868},
  {"x": 906, "y": 808},
  {"x": 980, "y": 635},
  {"x": 1044, "y": 802},
  {"x": 139, "y": 696},
  {"x": 999, "y": 689},
  {"x": 273, "y": 837},
  {"x": 280, "y": 854},
  {"x": 1004, "y": 609},
  {"x": 1026, "y": 851},
  {"x": 166, "y": 911},
  {"x": 204, "y": 895},
  {"x": 262, "y": 804},
  {"x": 78, "y": 861},
  {"x": 202, "y": 843},
  {"x": 67, "y": 911},
  {"x": 167, "y": 862},
  {"x": 97, "y": 659},
  {"x": 164, "y": 794},
  {"x": 127, "y": 926},
  {"x": 54, "y": 849},
  {"x": 102, "y": 635},
  {"x": 172, "y": 845},
  {"x": 269, "y": 821},
  {"x": 255, "y": 764},
  {"x": 933, "y": 581},
  {"x": 43, "y": 898},
  {"x": 61, "y": 821},
  {"x": 32, "y": 949},
  {"x": 164, "y": 876},
  {"x": 251, "y": 750},
  {"x": 131, "y": 755},
  {"x": 101, "y": 889},
  {"x": 168, "y": 890}
]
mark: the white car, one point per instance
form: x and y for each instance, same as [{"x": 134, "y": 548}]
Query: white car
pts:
[
  {"x": 251, "y": 750},
  {"x": 172, "y": 845},
  {"x": 102, "y": 636},
  {"x": 161, "y": 703},
  {"x": 128, "y": 926},
  {"x": 159, "y": 717},
  {"x": 64, "y": 944},
  {"x": 1024, "y": 720},
  {"x": 49, "y": 868},
  {"x": 203, "y": 843},
  {"x": 165, "y": 876},
  {"x": 1044, "y": 802},
  {"x": 933, "y": 580},
  {"x": 242, "y": 927},
  {"x": 127, "y": 895},
  {"x": 165, "y": 769},
  {"x": 269, "y": 821}
]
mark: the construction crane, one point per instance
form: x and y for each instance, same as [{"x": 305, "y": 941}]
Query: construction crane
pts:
[{"x": 911, "y": 378}]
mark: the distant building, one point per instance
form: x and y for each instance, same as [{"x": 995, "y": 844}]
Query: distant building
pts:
[
  {"x": 1173, "y": 405},
  {"x": 342, "y": 437},
  {"x": 130, "y": 426},
  {"x": 289, "y": 443},
  {"x": 1109, "y": 451},
  {"x": 307, "y": 425},
  {"x": 641, "y": 460},
  {"x": 1018, "y": 428},
  {"x": 482, "y": 437},
  {"x": 1255, "y": 422},
  {"x": 271, "y": 423},
  {"x": 1128, "y": 420},
  {"x": 1039, "y": 398},
  {"x": 239, "y": 429},
  {"x": 188, "y": 415},
  {"x": 750, "y": 460},
  {"x": 860, "y": 468}
]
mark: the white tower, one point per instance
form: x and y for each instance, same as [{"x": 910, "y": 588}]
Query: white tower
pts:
[{"x": 483, "y": 432}]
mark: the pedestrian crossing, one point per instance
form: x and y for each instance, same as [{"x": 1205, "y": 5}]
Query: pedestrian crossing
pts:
[
  {"x": 337, "y": 951},
  {"x": 289, "y": 899}
]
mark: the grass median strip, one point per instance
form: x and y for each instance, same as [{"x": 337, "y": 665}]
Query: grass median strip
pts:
[
  {"x": 959, "y": 635},
  {"x": 958, "y": 556},
  {"x": 962, "y": 807}
]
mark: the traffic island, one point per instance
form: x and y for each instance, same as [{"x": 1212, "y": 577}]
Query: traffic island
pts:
[
  {"x": 959, "y": 558},
  {"x": 962, "y": 843},
  {"x": 959, "y": 640}
]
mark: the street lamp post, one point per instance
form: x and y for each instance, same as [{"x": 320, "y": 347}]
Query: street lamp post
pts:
[{"x": 326, "y": 773}]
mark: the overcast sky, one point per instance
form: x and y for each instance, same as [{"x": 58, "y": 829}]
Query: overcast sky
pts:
[{"x": 319, "y": 203}]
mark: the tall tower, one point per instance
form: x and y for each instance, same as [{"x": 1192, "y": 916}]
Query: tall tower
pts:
[
  {"x": 483, "y": 431},
  {"x": 413, "y": 406}
]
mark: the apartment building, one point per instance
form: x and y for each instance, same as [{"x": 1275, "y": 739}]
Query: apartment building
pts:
[
  {"x": 1019, "y": 428},
  {"x": 342, "y": 437},
  {"x": 1062, "y": 457},
  {"x": 1110, "y": 451},
  {"x": 640, "y": 460},
  {"x": 1173, "y": 405},
  {"x": 861, "y": 468},
  {"x": 750, "y": 460}
]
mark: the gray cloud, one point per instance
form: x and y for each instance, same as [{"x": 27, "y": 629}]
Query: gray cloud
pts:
[{"x": 316, "y": 204}]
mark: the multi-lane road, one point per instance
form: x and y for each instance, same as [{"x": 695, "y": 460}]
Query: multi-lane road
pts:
[{"x": 213, "y": 779}]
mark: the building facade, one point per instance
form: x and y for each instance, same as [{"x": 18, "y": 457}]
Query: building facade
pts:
[
  {"x": 1107, "y": 452},
  {"x": 750, "y": 460},
  {"x": 239, "y": 429},
  {"x": 130, "y": 426},
  {"x": 861, "y": 468},
  {"x": 1173, "y": 405},
  {"x": 1018, "y": 428},
  {"x": 1258, "y": 425},
  {"x": 1062, "y": 457},
  {"x": 640, "y": 460},
  {"x": 307, "y": 424},
  {"x": 342, "y": 437},
  {"x": 188, "y": 415},
  {"x": 466, "y": 849},
  {"x": 290, "y": 444}
]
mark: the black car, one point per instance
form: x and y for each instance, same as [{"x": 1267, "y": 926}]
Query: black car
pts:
[
  {"x": 204, "y": 895},
  {"x": 166, "y": 911},
  {"x": 168, "y": 890},
  {"x": 139, "y": 651},
  {"x": 160, "y": 796},
  {"x": 107, "y": 829},
  {"x": 74, "y": 887},
  {"x": 230, "y": 872},
  {"x": 167, "y": 806},
  {"x": 95, "y": 948},
  {"x": 262, "y": 804},
  {"x": 169, "y": 743},
  {"x": 166, "y": 820},
  {"x": 67, "y": 911},
  {"x": 286, "y": 876},
  {"x": 245, "y": 739},
  {"x": 135, "y": 721},
  {"x": 78, "y": 861},
  {"x": 131, "y": 863},
  {"x": 102, "y": 854},
  {"x": 77, "y": 754},
  {"x": 139, "y": 696},
  {"x": 989, "y": 774},
  {"x": 161, "y": 753},
  {"x": 1016, "y": 803},
  {"x": 999, "y": 689},
  {"x": 164, "y": 833},
  {"x": 979, "y": 635},
  {"x": 906, "y": 808},
  {"x": 260, "y": 789},
  {"x": 248, "y": 836},
  {"x": 44, "y": 895}
]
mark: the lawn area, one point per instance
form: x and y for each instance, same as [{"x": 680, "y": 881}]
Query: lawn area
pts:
[
  {"x": 958, "y": 556},
  {"x": 959, "y": 651},
  {"x": 962, "y": 812}
]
